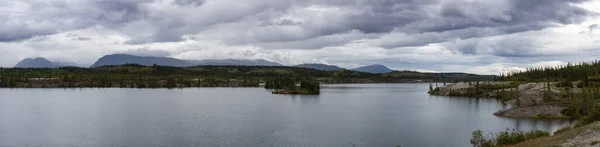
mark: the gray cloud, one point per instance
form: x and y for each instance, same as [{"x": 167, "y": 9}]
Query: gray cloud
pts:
[
  {"x": 593, "y": 27},
  {"x": 189, "y": 2},
  {"x": 211, "y": 28},
  {"x": 264, "y": 21},
  {"x": 147, "y": 52},
  {"x": 473, "y": 19}
]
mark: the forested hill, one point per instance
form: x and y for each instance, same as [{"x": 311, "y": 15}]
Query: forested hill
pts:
[
  {"x": 569, "y": 72},
  {"x": 110, "y": 76}
]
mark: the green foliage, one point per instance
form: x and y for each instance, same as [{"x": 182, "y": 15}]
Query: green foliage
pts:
[
  {"x": 590, "y": 118},
  {"x": 548, "y": 94},
  {"x": 287, "y": 85},
  {"x": 311, "y": 86},
  {"x": 590, "y": 81},
  {"x": 430, "y": 87},
  {"x": 509, "y": 137},
  {"x": 567, "y": 72},
  {"x": 505, "y": 138},
  {"x": 478, "y": 140},
  {"x": 568, "y": 84},
  {"x": 137, "y": 76},
  {"x": 435, "y": 90}
]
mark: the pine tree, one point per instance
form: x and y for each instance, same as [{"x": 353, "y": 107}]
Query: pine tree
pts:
[{"x": 430, "y": 87}]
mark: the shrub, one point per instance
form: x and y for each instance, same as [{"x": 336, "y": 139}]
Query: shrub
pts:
[
  {"x": 509, "y": 137},
  {"x": 505, "y": 138},
  {"x": 590, "y": 118},
  {"x": 434, "y": 90},
  {"x": 478, "y": 140},
  {"x": 589, "y": 84},
  {"x": 564, "y": 84}
]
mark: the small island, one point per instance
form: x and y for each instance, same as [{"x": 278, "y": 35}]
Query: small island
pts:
[{"x": 285, "y": 85}]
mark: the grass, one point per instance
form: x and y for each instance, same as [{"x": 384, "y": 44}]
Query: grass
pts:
[
  {"x": 506, "y": 138},
  {"x": 562, "y": 136}
]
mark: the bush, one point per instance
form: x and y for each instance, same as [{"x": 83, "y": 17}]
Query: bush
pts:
[
  {"x": 509, "y": 137},
  {"x": 589, "y": 84},
  {"x": 478, "y": 140},
  {"x": 434, "y": 90},
  {"x": 590, "y": 118},
  {"x": 564, "y": 84},
  {"x": 506, "y": 138}
]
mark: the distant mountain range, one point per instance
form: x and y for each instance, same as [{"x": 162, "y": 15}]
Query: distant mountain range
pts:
[
  {"x": 120, "y": 59},
  {"x": 259, "y": 62},
  {"x": 376, "y": 68},
  {"x": 320, "y": 67},
  {"x": 40, "y": 62}
]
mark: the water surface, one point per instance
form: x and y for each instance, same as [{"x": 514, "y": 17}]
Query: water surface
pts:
[{"x": 364, "y": 114}]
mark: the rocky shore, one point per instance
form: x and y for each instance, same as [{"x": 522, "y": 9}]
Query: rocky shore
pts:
[{"x": 529, "y": 100}]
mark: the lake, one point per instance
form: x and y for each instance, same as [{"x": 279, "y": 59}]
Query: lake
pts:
[{"x": 364, "y": 114}]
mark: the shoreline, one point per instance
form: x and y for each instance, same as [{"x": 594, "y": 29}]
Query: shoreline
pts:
[
  {"x": 531, "y": 100},
  {"x": 41, "y": 86}
]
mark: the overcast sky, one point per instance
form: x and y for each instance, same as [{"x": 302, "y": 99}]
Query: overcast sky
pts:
[{"x": 476, "y": 36}]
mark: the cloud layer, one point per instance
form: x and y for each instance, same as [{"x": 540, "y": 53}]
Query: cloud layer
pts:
[{"x": 482, "y": 36}]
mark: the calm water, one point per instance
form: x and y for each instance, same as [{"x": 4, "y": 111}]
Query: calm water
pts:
[{"x": 368, "y": 115}]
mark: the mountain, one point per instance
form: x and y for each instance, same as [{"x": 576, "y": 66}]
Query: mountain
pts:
[
  {"x": 320, "y": 67},
  {"x": 376, "y": 68},
  {"x": 40, "y": 62},
  {"x": 235, "y": 62},
  {"x": 437, "y": 76},
  {"x": 120, "y": 59}
]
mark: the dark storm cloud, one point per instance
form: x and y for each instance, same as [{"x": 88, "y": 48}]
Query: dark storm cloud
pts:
[
  {"x": 474, "y": 19},
  {"x": 42, "y": 18},
  {"x": 277, "y": 24},
  {"x": 117, "y": 12},
  {"x": 189, "y": 2}
]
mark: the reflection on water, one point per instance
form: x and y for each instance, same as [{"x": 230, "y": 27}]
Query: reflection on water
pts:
[
  {"x": 305, "y": 99},
  {"x": 366, "y": 114}
]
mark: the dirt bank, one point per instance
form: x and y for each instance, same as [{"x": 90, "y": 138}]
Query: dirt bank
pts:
[{"x": 585, "y": 136}]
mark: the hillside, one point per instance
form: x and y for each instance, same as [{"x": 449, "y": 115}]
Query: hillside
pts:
[
  {"x": 225, "y": 62},
  {"x": 376, "y": 69},
  {"x": 319, "y": 67},
  {"x": 120, "y": 59},
  {"x": 40, "y": 62},
  {"x": 448, "y": 77},
  {"x": 139, "y": 76}
]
